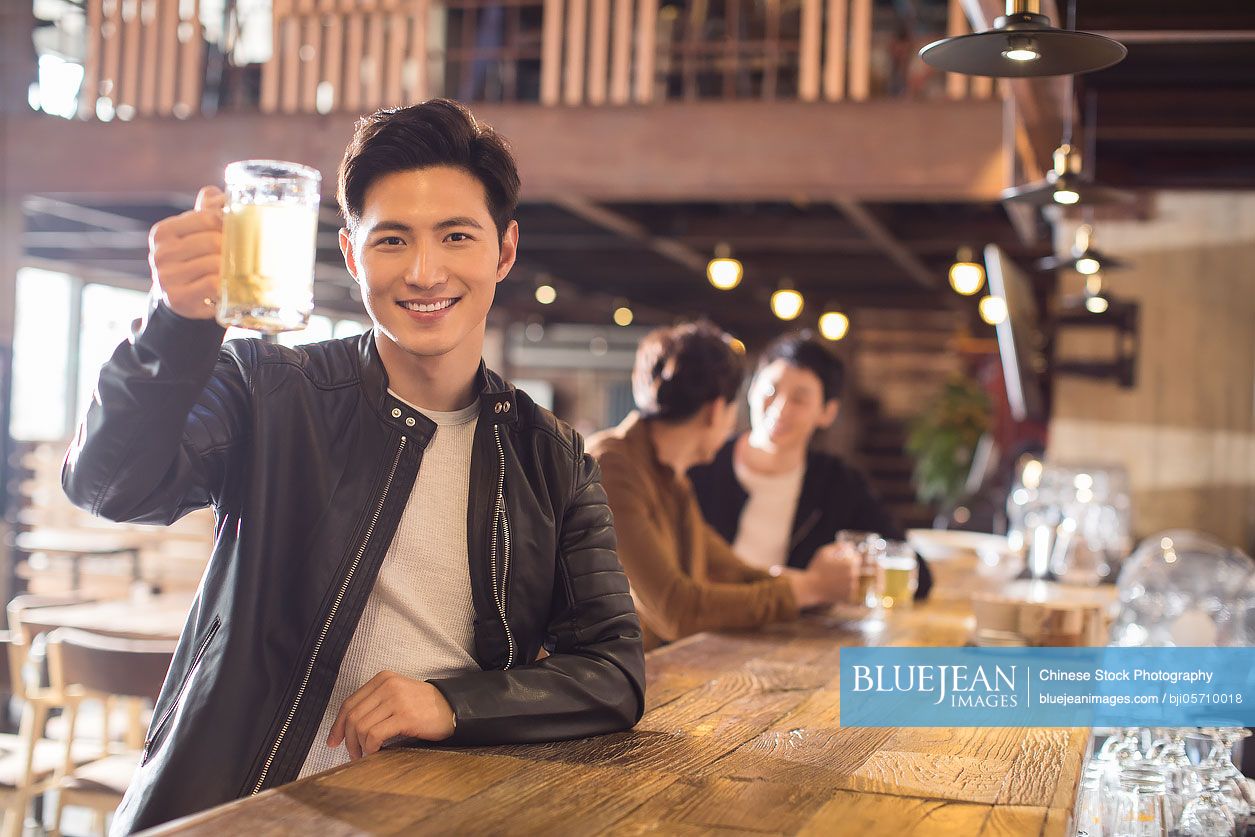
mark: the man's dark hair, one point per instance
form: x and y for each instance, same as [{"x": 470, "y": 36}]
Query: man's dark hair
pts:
[
  {"x": 807, "y": 351},
  {"x": 681, "y": 369},
  {"x": 439, "y": 132}
]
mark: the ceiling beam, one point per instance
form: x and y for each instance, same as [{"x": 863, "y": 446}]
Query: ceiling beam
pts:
[
  {"x": 918, "y": 150},
  {"x": 894, "y": 249},
  {"x": 67, "y": 211},
  {"x": 623, "y": 226}
]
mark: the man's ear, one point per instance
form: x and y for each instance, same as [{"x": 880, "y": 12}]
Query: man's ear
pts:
[
  {"x": 350, "y": 255},
  {"x": 829, "y": 414},
  {"x": 509, "y": 250}
]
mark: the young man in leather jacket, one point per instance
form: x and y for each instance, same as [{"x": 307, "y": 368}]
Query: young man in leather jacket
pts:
[{"x": 399, "y": 532}]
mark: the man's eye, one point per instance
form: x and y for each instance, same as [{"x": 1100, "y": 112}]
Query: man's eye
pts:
[
  {"x": 391, "y": 241},
  {"x": 457, "y": 236}
]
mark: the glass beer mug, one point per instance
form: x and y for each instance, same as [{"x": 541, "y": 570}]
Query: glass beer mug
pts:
[{"x": 269, "y": 232}]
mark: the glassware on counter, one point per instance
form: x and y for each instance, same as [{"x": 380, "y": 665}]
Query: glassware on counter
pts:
[
  {"x": 1182, "y": 588},
  {"x": 1208, "y": 813}
]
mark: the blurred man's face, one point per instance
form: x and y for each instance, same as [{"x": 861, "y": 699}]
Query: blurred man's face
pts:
[
  {"x": 787, "y": 405},
  {"x": 427, "y": 257}
]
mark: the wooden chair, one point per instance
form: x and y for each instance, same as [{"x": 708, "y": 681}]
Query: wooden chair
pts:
[
  {"x": 29, "y": 763},
  {"x": 84, "y": 666}
]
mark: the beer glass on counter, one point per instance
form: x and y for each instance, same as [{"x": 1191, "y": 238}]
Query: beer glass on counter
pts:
[
  {"x": 269, "y": 232},
  {"x": 899, "y": 575}
]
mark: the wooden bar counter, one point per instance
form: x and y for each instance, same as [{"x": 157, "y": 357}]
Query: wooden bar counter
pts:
[{"x": 740, "y": 735}]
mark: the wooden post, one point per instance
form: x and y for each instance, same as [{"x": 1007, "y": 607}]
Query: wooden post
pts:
[
  {"x": 332, "y": 49},
  {"x": 271, "y": 69},
  {"x": 290, "y": 62},
  {"x": 353, "y": 63},
  {"x": 111, "y": 35},
  {"x": 551, "y": 54},
  {"x": 191, "y": 74},
  {"x": 417, "y": 55},
  {"x": 308, "y": 55},
  {"x": 808, "y": 55},
  {"x": 374, "y": 55},
  {"x": 129, "y": 94},
  {"x": 860, "y": 50},
  {"x": 90, "y": 90},
  {"x": 835, "y": 52},
  {"x": 573, "y": 88},
  {"x": 621, "y": 55},
  {"x": 646, "y": 50},
  {"x": 598, "y": 49},
  {"x": 392, "y": 96},
  {"x": 150, "y": 27},
  {"x": 956, "y": 24}
]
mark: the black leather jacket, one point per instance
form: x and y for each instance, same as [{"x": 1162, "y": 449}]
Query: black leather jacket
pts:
[{"x": 308, "y": 463}]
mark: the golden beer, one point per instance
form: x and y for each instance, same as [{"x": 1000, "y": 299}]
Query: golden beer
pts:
[
  {"x": 897, "y": 581},
  {"x": 269, "y": 236}
]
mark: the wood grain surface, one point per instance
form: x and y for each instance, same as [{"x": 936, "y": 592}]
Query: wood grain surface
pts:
[{"x": 741, "y": 735}]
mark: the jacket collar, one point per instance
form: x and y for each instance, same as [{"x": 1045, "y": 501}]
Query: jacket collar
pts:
[
  {"x": 634, "y": 430},
  {"x": 498, "y": 402}
]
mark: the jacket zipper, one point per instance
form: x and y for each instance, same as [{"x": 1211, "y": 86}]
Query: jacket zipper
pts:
[
  {"x": 501, "y": 522},
  {"x": 804, "y": 529},
  {"x": 178, "y": 696},
  {"x": 326, "y": 626}
]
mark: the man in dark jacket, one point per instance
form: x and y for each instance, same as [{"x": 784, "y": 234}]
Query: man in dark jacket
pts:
[
  {"x": 766, "y": 492},
  {"x": 399, "y": 531}
]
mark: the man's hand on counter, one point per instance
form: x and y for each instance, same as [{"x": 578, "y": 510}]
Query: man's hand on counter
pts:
[{"x": 388, "y": 706}]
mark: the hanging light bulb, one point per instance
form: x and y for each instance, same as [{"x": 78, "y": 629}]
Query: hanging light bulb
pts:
[
  {"x": 993, "y": 310},
  {"x": 1021, "y": 48},
  {"x": 1096, "y": 301},
  {"x": 623, "y": 316},
  {"x": 966, "y": 276},
  {"x": 545, "y": 294},
  {"x": 787, "y": 302},
  {"x": 737, "y": 345},
  {"x": 834, "y": 325},
  {"x": 723, "y": 271}
]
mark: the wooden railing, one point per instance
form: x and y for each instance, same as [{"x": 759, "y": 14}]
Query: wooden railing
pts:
[
  {"x": 147, "y": 57},
  {"x": 142, "y": 58}
]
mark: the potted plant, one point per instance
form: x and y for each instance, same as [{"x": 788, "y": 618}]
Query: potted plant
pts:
[{"x": 942, "y": 440}]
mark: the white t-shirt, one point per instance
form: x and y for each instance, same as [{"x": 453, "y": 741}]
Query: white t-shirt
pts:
[
  {"x": 766, "y": 526},
  {"x": 419, "y": 618}
]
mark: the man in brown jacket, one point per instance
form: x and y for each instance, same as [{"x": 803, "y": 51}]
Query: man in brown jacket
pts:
[{"x": 684, "y": 577}]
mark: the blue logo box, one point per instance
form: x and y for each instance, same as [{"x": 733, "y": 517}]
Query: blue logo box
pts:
[{"x": 1047, "y": 687}]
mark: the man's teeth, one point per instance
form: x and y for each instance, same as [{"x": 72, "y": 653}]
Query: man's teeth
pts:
[{"x": 428, "y": 307}]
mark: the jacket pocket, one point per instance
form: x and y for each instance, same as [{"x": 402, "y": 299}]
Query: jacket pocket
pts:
[{"x": 159, "y": 727}]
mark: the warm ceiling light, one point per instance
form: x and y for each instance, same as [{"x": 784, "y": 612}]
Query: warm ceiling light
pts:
[
  {"x": 723, "y": 271},
  {"x": 993, "y": 310},
  {"x": 1023, "y": 43},
  {"x": 1020, "y": 48},
  {"x": 545, "y": 294},
  {"x": 1088, "y": 265},
  {"x": 737, "y": 345},
  {"x": 1096, "y": 301},
  {"x": 966, "y": 276},
  {"x": 787, "y": 303},
  {"x": 834, "y": 325},
  {"x": 623, "y": 316},
  {"x": 1067, "y": 197}
]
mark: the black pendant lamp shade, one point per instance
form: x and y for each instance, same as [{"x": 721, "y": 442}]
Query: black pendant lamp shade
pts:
[
  {"x": 1064, "y": 186},
  {"x": 1023, "y": 44}
]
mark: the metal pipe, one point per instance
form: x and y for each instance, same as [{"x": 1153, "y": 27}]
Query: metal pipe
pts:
[{"x": 1021, "y": 7}]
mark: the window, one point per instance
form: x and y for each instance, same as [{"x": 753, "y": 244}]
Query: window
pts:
[
  {"x": 41, "y": 355},
  {"x": 107, "y": 314}
]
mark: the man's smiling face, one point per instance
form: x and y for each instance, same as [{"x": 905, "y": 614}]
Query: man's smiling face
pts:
[{"x": 426, "y": 255}]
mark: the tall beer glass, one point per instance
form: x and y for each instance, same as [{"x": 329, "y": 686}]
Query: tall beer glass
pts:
[{"x": 269, "y": 233}]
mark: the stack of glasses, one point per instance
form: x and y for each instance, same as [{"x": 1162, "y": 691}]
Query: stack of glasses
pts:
[{"x": 1163, "y": 792}]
